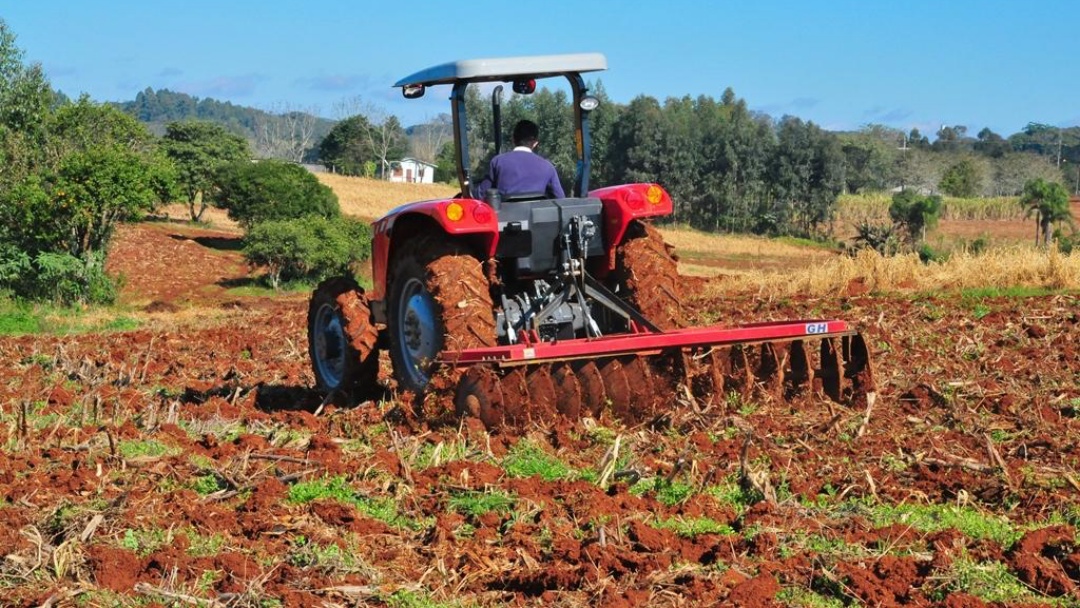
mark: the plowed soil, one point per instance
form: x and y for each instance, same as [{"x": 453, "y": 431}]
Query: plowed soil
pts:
[{"x": 173, "y": 464}]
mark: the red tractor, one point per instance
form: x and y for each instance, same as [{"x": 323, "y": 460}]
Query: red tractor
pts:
[{"x": 527, "y": 307}]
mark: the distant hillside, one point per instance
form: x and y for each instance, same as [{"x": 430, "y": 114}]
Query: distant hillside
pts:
[{"x": 262, "y": 129}]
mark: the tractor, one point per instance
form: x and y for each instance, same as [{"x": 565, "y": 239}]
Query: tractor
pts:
[{"x": 525, "y": 308}]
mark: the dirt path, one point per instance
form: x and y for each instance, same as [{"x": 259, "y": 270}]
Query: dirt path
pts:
[{"x": 164, "y": 264}]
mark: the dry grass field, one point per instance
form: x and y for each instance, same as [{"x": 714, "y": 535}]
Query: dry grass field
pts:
[{"x": 371, "y": 198}]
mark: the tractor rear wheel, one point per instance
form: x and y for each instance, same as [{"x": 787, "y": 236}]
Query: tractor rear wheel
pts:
[
  {"x": 439, "y": 298},
  {"x": 647, "y": 276},
  {"x": 342, "y": 338}
]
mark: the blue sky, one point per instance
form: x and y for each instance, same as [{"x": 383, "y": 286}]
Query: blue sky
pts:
[{"x": 842, "y": 64}]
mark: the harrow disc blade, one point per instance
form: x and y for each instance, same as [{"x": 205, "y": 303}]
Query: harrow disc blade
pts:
[
  {"x": 859, "y": 367},
  {"x": 593, "y": 394},
  {"x": 568, "y": 391},
  {"x": 802, "y": 371},
  {"x": 772, "y": 361},
  {"x": 479, "y": 395},
  {"x": 616, "y": 387},
  {"x": 832, "y": 369},
  {"x": 542, "y": 394},
  {"x": 515, "y": 389}
]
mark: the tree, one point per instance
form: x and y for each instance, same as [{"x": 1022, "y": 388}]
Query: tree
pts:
[
  {"x": 807, "y": 178},
  {"x": 917, "y": 169},
  {"x": 286, "y": 132},
  {"x": 914, "y": 213},
  {"x": 991, "y": 144},
  {"x": 307, "y": 248},
  {"x": 75, "y": 208},
  {"x": 917, "y": 140},
  {"x": 69, "y": 172},
  {"x": 199, "y": 149},
  {"x": 426, "y": 140},
  {"x": 386, "y": 140},
  {"x": 374, "y": 135},
  {"x": 1015, "y": 169},
  {"x": 952, "y": 139},
  {"x": 344, "y": 149},
  {"x": 1049, "y": 203},
  {"x": 272, "y": 190},
  {"x": 962, "y": 179},
  {"x": 870, "y": 157},
  {"x": 25, "y": 99}
]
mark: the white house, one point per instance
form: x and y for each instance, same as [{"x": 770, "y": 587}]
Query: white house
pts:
[{"x": 412, "y": 171}]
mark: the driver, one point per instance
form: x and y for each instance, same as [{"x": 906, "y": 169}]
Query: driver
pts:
[{"x": 521, "y": 170}]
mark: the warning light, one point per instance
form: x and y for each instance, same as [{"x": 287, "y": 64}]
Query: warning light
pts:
[
  {"x": 655, "y": 194},
  {"x": 454, "y": 212}
]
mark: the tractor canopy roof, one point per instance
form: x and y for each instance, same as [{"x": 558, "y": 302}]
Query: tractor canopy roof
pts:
[{"x": 505, "y": 69}]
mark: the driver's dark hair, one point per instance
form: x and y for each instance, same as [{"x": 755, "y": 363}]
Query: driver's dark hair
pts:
[{"x": 525, "y": 133}]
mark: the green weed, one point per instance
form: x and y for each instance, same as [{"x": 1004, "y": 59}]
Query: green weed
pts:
[
  {"x": 145, "y": 542},
  {"x": 336, "y": 488},
  {"x": 1016, "y": 291},
  {"x": 989, "y": 581},
  {"x": 19, "y": 321},
  {"x": 980, "y": 310},
  {"x": 693, "y": 526},
  {"x": 527, "y": 459},
  {"x": 146, "y": 448},
  {"x": 670, "y": 493},
  {"x": 477, "y": 503},
  {"x": 731, "y": 492},
  {"x": 328, "y": 558},
  {"x": 933, "y": 518},
  {"x": 807, "y": 598},
  {"x": 415, "y": 599},
  {"x": 204, "y": 546},
  {"x": 429, "y": 455},
  {"x": 207, "y": 484}
]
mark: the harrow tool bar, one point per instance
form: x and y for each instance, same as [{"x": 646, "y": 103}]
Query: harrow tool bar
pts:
[{"x": 635, "y": 376}]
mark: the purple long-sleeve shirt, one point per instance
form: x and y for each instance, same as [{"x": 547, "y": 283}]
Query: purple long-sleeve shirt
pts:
[{"x": 520, "y": 171}]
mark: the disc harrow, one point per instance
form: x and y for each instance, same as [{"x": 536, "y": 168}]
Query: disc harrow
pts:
[{"x": 640, "y": 388}]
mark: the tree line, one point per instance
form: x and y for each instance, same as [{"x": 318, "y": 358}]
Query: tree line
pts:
[{"x": 727, "y": 167}]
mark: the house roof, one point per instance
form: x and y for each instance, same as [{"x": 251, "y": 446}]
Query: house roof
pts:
[
  {"x": 506, "y": 68},
  {"x": 417, "y": 160}
]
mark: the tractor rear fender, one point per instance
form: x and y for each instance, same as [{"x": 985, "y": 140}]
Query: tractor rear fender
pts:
[
  {"x": 625, "y": 203},
  {"x": 470, "y": 220}
]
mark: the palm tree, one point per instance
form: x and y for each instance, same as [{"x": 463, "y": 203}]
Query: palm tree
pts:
[{"x": 1049, "y": 203}]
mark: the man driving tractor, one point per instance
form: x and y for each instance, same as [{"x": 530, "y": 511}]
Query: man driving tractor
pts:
[{"x": 521, "y": 171}]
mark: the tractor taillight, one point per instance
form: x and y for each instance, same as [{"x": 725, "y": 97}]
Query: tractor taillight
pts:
[
  {"x": 454, "y": 212},
  {"x": 655, "y": 194},
  {"x": 482, "y": 214}
]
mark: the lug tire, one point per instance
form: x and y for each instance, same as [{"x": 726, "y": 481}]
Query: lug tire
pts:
[
  {"x": 439, "y": 298},
  {"x": 342, "y": 338},
  {"x": 647, "y": 275}
]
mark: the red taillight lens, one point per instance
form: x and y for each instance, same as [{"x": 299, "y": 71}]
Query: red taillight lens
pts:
[{"x": 482, "y": 214}]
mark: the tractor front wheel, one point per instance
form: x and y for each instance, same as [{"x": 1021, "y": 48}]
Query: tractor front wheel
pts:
[
  {"x": 439, "y": 299},
  {"x": 342, "y": 338}
]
